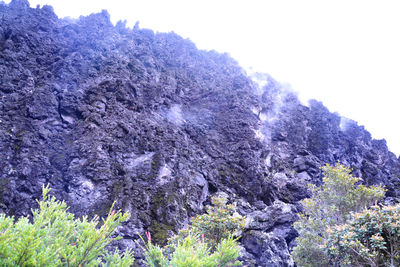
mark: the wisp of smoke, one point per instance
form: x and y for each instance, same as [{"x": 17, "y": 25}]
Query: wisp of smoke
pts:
[{"x": 175, "y": 116}]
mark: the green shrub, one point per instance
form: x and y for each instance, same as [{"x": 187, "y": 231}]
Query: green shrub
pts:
[
  {"x": 369, "y": 238},
  {"x": 329, "y": 205},
  {"x": 219, "y": 222},
  {"x": 56, "y": 238},
  {"x": 208, "y": 241},
  {"x": 193, "y": 251}
]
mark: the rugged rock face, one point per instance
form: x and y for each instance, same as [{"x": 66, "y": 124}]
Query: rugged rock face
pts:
[{"x": 106, "y": 113}]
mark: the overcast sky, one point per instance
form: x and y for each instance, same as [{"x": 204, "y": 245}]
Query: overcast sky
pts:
[{"x": 345, "y": 53}]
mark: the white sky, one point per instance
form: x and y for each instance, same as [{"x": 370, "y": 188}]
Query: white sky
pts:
[{"x": 345, "y": 53}]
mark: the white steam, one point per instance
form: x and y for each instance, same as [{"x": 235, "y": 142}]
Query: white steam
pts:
[
  {"x": 276, "y": 96},
  {"x": 175, "y": 116},
  {"x": 345, "y": 122},
  {"x": 261, "y": 80}
]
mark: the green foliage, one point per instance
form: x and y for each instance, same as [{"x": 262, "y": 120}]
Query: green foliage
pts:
[
  {"x": 219, "y": 222},
  {"x": 329, "y": 205},
  {"x": 369, "y": 238},
  {"x": 208, "y": 241},
  {"x": 194, "y": 251},
  {"x": 57, "y": 238}
]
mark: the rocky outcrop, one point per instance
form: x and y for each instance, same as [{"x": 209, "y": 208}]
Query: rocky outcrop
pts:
[{"x": 106, "y": 113}]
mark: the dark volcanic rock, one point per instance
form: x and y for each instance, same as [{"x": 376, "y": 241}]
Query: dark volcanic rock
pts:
[{"x": 106, "y": 113}]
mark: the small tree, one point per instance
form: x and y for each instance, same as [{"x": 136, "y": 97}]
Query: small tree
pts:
[
  {"x": 207, "y": 242},
  {"x": 57, "y": 238},
  {"x": 220, "y": 221},
  {"x": 329, "y": 205},
  {"x": 370, "y": 238}
]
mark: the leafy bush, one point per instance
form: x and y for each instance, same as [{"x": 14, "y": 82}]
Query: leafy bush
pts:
[
  {"x": 370, "y": 238},
  {"x": 57, "y": 238},
  {"x": 208, "y": 241},
  {"x": 219, "y": 222},
  {"x": 193, "y": 251},
  {"x": 329, "y": 205}
]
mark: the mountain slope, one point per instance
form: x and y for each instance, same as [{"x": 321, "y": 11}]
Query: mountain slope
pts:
[{"x": 106, "y": 113}]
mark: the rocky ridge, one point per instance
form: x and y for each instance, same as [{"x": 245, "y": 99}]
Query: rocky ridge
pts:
[{"x": 106, "y": 113}]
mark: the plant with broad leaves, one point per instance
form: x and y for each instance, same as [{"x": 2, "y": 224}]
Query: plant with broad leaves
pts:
[
  {"x": 369, "y": 238},
  {"x": 330, "y": 204}
]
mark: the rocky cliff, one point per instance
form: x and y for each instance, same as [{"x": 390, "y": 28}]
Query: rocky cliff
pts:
[{"x": 106, "y": 113}]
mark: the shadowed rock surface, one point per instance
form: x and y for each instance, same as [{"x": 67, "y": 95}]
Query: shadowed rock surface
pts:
[{"x": 106, "y": 113}]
